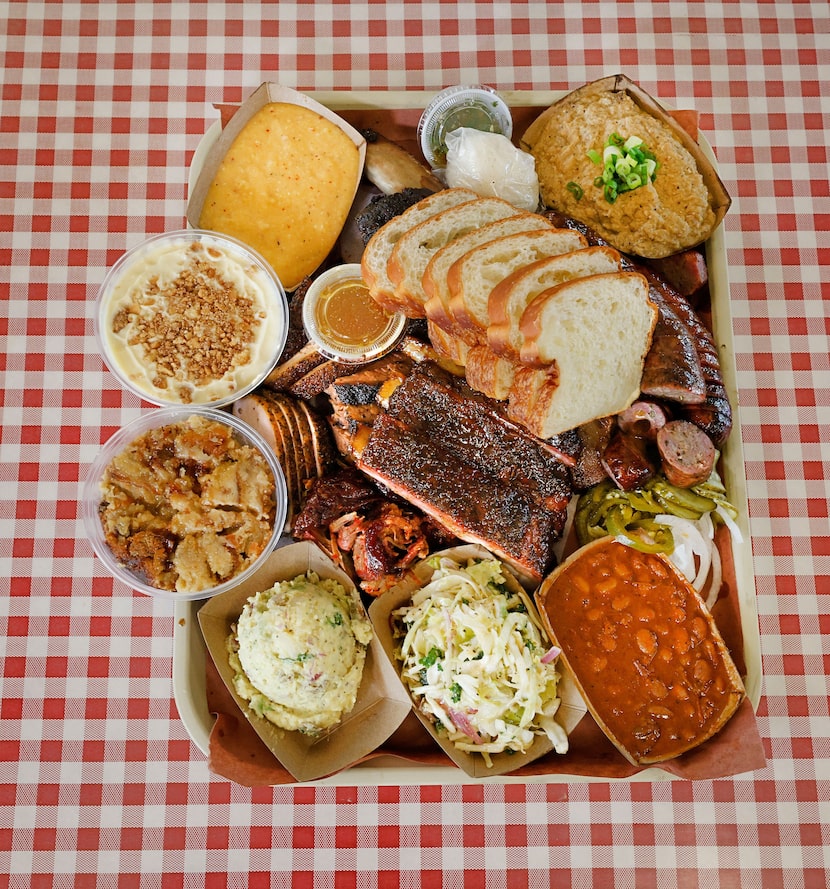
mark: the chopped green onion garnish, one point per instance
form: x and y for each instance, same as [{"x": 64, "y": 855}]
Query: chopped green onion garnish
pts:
[
  {"x": 575, "y": 189},
  {"x": 627, "y": 165},
  {"x": 431, "y": 656}
]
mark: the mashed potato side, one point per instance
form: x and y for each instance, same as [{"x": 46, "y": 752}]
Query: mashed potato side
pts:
[{"x": 298, "y": 651}]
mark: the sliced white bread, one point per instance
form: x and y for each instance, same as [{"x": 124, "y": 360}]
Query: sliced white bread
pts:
[
  {"x": 446, "y": 344},
  {"x": 434, "y": 281},
  {"x": 471, "y": 278},
  {"x": 589, "y": 337},
  {"x": 375, "y": 259},
  {"x": 489, "y": 374},
  {"x": 415, "y": 248},
  {"x": 529, "y": 389},
  {"x": 513, "y": 295}
]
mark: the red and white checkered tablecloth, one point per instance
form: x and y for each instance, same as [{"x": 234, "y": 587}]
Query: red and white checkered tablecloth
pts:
[{"x": 101, "y": 108}]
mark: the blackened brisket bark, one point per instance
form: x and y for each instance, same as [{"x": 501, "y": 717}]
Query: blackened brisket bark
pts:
[
  {"x": 670, "y": 347},
  {"x": 446, "y": 449},
  {"x": 382, "y": 208}
]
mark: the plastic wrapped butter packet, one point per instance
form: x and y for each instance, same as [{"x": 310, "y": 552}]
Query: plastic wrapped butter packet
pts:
[{"x": 491, "y": 165}]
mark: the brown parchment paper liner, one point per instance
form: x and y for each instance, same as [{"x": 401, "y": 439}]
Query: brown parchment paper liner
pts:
[
  {"x": 570, "y": 712},
  {"x": 382, "y": 704}
]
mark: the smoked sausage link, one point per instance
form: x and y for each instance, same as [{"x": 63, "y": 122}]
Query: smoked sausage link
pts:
[{"x": 686, "y": 452}]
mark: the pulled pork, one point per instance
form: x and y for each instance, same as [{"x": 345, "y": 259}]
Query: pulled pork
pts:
[{"x": 369, "y": 534}]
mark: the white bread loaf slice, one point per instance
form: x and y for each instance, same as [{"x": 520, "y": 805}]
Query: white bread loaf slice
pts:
[
  {"x": 588, "y": 339},
  {"x": 530, "y": 391},
  {"x": 489, "y": 374},
  {"x": 375, "y": 258},
  {"x": 434, "y": 281},
  {"x": 415, "y": 248},
  {"x": 446, "y": 344},
  {"x": 472, "y": 277},
  {"x": 513, "y": 295}
]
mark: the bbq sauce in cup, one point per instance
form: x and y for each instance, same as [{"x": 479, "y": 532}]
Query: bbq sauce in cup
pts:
[{"x": 343, "y": 320}]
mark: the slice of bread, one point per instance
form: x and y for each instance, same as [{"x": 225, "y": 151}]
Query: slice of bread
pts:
[
  {"x": 434, "y": 281},
  {"x": 415, "y": 248},
  {"x": 446, "y": 344},
  {"x": 529, "y": 389},
  {"x": 592, "y": 334},
  {"x": 489, "y": 374},
  {"x": 471, "y": 278},
  {"x": 513, "y": 295},
  {"x": 373, "y": 263}
]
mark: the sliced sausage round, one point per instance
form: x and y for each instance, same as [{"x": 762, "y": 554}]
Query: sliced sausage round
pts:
[
  {"x": 686, "y": 452},
  {"x": 643, "y": 418}
]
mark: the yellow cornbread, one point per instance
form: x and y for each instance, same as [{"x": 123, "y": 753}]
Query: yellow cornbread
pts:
[{"x": 285, "y": 188}]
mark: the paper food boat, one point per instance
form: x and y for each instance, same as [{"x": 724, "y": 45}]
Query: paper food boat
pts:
[
  {"x": 382, "y": 703},
  {"x": 570, "y": 712},
  {"x": 317, "y": 203}
]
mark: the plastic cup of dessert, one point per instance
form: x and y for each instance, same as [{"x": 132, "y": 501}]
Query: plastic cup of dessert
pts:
[
  {"x": 191, "y": 317},
  {"x": 92, "y": 496},
  {"x": 478, "y": 107},
  {"x": 344, "y": 322}
]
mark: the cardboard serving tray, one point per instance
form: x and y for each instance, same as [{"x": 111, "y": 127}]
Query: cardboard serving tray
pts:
[{"x": 396, "y": 114}]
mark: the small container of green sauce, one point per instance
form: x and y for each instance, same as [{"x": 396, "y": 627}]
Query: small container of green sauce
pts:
[{"x": 478, "y": 107}]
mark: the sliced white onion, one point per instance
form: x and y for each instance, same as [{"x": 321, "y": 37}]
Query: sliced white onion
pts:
[
  {"x": 683, "y": 558},
  {"x": 727, "y": 519},
  {"x": 706, "y": 526},
  {"x": 689, "y": 543},
  {"x": 715, "y": 580}
]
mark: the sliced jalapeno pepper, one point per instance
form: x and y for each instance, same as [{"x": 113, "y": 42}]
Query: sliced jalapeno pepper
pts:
[{"x": 605, "y": 509}]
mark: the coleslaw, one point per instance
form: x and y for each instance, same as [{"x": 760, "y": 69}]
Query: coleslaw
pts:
[{"x": 477, "y": 661}]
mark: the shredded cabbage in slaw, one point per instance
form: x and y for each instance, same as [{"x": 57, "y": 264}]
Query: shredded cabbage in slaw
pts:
[{"x": 477, "y": 662}]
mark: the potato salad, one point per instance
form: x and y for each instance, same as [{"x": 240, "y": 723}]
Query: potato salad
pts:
[{"x": 298, "y": 651}]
